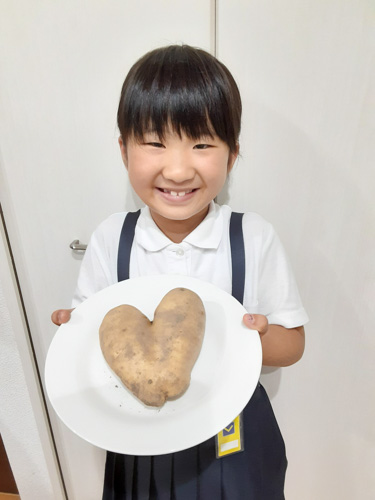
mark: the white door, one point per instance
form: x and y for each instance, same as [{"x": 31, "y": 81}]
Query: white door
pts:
[
  {"x": 306, "y": 75},
  {"x": 62, "y": 65}
]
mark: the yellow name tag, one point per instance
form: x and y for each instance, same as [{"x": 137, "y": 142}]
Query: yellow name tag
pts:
[{"x": 230, "y": 440}]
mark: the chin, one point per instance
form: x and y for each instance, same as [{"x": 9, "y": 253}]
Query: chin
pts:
[{"x": 178, "y": 215}]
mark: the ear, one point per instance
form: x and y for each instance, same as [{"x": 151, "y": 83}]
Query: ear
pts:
[
  {"x": 233, "y": 157},
  {"x": 124, "y": 154}
]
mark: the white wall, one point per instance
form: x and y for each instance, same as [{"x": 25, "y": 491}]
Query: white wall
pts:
[{"x": 306, "y": 71}]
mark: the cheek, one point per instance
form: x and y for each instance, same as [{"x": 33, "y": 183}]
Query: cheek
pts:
[
  {"x": 218, "y": 173},
  {"x": 221, "y": 182},
  {"x": 138, "y": 170},
  {"x": 137, "y": 179}
]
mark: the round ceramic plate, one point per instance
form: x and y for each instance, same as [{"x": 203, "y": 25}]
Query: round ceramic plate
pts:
[{"x": 91, "y": 401}]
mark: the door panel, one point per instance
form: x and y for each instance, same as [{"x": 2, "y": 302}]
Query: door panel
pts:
[
  {"x": 306, "y": 75},
  {"x": 62, "y": 65}
]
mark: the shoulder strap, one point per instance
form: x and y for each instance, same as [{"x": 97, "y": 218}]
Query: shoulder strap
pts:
[
  {"x": 236, "y": 245},
  {"x": 125, "y": 245},
  {"x": 237, "y": 248}
]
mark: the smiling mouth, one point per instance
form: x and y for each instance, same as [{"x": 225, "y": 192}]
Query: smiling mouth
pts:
[{"x": 179, "y": 194}]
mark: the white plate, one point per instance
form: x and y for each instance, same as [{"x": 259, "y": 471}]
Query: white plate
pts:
[{"x": 90, "y": 400}]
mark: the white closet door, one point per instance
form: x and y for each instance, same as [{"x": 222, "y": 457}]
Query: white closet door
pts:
[
  {"x": 306, "y": 74},
  {"x": 62, "y": 65}
]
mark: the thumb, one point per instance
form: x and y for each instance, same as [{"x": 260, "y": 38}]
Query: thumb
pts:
[
  {"x": 257, "y": 322},
  {"x": 61, "y": 316}
]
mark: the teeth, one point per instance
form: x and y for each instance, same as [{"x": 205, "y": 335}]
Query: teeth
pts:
[{"x": 174, "y": 193}]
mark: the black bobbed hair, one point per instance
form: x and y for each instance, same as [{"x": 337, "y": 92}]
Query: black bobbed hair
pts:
[{"x": 182, "y": 88}]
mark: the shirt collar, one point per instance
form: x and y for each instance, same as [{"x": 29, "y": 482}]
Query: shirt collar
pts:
[{"x": 207, "y": 235}]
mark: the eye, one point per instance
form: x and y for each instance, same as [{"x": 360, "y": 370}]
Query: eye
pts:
[
  {"x": 202, "y": 146},
  {"x": 154, "y": 144}
]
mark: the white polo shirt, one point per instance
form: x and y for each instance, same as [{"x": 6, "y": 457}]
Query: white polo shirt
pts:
[{"x": 270, "y": 288}]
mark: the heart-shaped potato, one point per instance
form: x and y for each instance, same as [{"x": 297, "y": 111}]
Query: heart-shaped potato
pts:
[{"x": 154, "y": 359}]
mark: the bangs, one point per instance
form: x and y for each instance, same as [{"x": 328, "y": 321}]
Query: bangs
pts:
[
  {"x": 160, "y": 110},
  {"x": 182, "y": 89}
]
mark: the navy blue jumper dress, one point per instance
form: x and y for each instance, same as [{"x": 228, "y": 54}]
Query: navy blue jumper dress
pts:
[{"x": 257, "y": 473}]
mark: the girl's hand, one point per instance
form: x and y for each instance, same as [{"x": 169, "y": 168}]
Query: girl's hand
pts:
[
  {"x": 61, "y": 316},
  {"x": 256, "y": 322},
  {"x": 280, "y": 346}
]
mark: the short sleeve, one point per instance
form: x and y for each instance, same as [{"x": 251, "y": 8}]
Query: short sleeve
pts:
[
  {"x": 99, "y": 265},
  {"x": 277, "y": 295}
]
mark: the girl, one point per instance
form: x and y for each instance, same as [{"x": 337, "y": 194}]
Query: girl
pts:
[{"x": 179, "y": 118}]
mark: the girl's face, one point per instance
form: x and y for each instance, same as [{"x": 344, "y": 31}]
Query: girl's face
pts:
[{"x": 178, "y": 177}]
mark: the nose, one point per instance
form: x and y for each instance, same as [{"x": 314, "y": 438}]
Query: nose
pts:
[{"x": 178, "y": 168}]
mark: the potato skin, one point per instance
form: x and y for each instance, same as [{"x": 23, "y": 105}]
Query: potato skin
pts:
[{"x": 154, "y": 359}]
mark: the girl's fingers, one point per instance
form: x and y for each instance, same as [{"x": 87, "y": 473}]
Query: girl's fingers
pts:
[
  {"x": 257, "y": 322},
  {"x": 61, "y": 316}
]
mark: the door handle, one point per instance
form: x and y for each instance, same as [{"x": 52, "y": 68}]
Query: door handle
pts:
[{"x": 77, "y": 246}]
